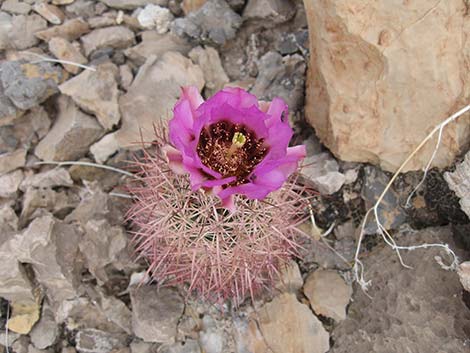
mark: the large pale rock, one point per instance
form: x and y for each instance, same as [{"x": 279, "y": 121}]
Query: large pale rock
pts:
[
  {"x": 96, "y": 92},
  {"x": 153, "y": 94},
  {"x": 290, "y": 327},
  {"x": 407, "y": 310},
  {"x": 73, "y": 132},
  {"x": 383, "y": 74}
]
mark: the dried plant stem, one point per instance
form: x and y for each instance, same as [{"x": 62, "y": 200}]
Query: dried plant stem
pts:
[
  {"x": 64, "y": 62},
  {"x": 90, "y": 164},
  {"x": 358, "y": 265}
]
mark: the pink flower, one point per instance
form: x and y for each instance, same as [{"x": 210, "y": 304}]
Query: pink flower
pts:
[{"x": 232, "y": 144}]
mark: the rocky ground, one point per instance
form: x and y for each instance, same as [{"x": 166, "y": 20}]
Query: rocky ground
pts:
[{"x": 67, "y": 278}]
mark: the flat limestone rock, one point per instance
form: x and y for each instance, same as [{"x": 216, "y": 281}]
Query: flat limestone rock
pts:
[
  {"x": 108, "y": 37},
  {"x": 380, "y": 80}
]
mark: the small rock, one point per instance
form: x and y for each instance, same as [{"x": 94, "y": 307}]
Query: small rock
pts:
[
  {"x": 49, "y": 179},
  {"x": 291, "y": 278},
  {"x": 62, "y": 49},
  {"x": 189, "y": 6},
  {"x": 209, "y": 61},
  {"x": 211, "y": 338},
  {"x": 290, "y": 327},
  {"x": 459, "y": 182},
  {"x": 8, "y": 222},
  {"x": 51, "y": 13},
  {"x": 248, "y": 338},
  {"x": 70, "y": 137},
  {"x": 22, "y": 34},
  {"x": 391, "y": 215},
  {"x": 97, "y": 341},
  {"x": 125, "y": 76},
  {"x": 464, "y": 275},
  {"x": 21, "y": 345},
  {"x": 215, "y": 22},
  {"x": 16, "y": 7},
  {"x": 110, "y": 37},
  {"x": 82, "y": 8},
  {"x": 138, "y": 346},
  {"x": 153, "y": 94},
  {"x": 9, "y": 183},
  {"x": 155, "y": 313},
  {"x": 323, "y": 171},
  {"x": 45, "y": 333},
  {"x": 96, "y": 92},
  {"x": 5, "y": 27},
  {"x": 7, "y": 339},
  {"x": 281, "y": 77},
  {"x": 62, "y": 2},
  {"x": 274, "y": 11},
  {"x": 27, "y": 85},
  {"x": 131, "y": 4},
  {"x": 188, "y": 346},
  {"x": 37, "y": 202},
  {"x": 104, "y": 148},
  {"x": 115, "y": 311},
  {"x": 69, "y": 30},
  {"x": 328, "y": 294},
  {"x": 291, "y": 43},
  {"x": 154, "y": 16},
  {"x": 156, "y": 44},
  {"x": 23, "y": 316},
  {"x": 12, "y": 160},
  {"x": 103, "y": 21},
  {"x": 104, "y": 247}
]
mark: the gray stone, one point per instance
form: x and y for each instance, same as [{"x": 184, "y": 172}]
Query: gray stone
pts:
[
  {"x": 8, "y": 221},
  {"x": 289, "y": 327},
  {"x": 464, "y": 275},
  {"x": 104, "y": 148},
  {"x": 281, "y": 77},
  {"x": 156, "y": 313},
  {"x": 153, "y": 94},
  {"x": 108, "y": 19},
  {"x": 391, "y": 215},
  {"x": 96, "y": 341},
  {"x": 109, "y": 37},
  {"x": 156, "y": 44},
  {"x": 9, "y": 183},
  {"x": 290, "y": 278},
  {"x": 215, "y": 22},
  {"x": 96, "y": 92},
  {"x": 27, "y": 85},
  {"x": 292, "y": 43},
  {"x": 102, "y": 246},
  {"x": 132, "y": 4},
  {"x": 45, "y": 333},
  {"x": 37, "y": 202},
  {"x": 407, "y": 310},
  {"x": 72, "y": 134},
  {"x": 211, "y": 338},
  {"x": 12, "y": 160},
  {"x": 189, "y": 346},
  {"x": 5, "y": 27},
  {"x": 459, "y": 182},
  {"x": 125, "y": 76},
  {"x": 16, "y": 7},
  {"x": 82, "y": 8},
  {"x": 328, "y": 294},
  {"x": 23, "y": 29},
  {"x": 271, "y": 11},
  {"x": 209, "y": 61},
  {"x": 323, "y": 171},
  {"x": 69, "y": 30},
  {"x": 48, "y": 179}
]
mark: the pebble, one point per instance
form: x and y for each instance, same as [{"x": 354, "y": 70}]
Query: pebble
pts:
[
  {"x": 155, "y": 17},
  {"x": 62, "y": 49},
  {"x": 51, "y": 13}
]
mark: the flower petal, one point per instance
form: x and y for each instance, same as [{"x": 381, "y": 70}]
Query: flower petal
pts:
[{"x": 175, "y": 159}]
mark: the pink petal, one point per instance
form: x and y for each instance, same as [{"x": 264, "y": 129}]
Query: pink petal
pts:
[
  {"x": 175, "y": 159},
  {"x": 191, "y": 93}
]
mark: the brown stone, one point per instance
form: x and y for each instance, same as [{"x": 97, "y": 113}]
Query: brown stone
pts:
[
  {"x": 51, "y": 13},
  {"x": 62, "y": 49},
  {"x": 109, "y": 37},
  {"x": 383, "y": 75},
  {"x": 69, "y": 30},
  {"x": 192, "y": 5}
]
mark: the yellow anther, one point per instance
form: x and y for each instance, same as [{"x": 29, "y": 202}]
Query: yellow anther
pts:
[{"x": 238, "y": 139}]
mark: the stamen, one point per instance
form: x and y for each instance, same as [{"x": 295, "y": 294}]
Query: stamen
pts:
[{"x": 238, "y": 141}]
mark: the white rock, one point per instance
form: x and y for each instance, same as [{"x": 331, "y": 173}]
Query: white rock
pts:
[
  {"x": 459, "y": 182},
  {"x": 104, "y": 148},
  {"x": 328, "y": 293},
  {"x": 372, "y": 71},
  {"x": 323, "y": 171},
  {"x": 154, "y": 16}
]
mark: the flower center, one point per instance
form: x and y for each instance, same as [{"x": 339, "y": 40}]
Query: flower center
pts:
[{"x": 231, "y": 150}]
